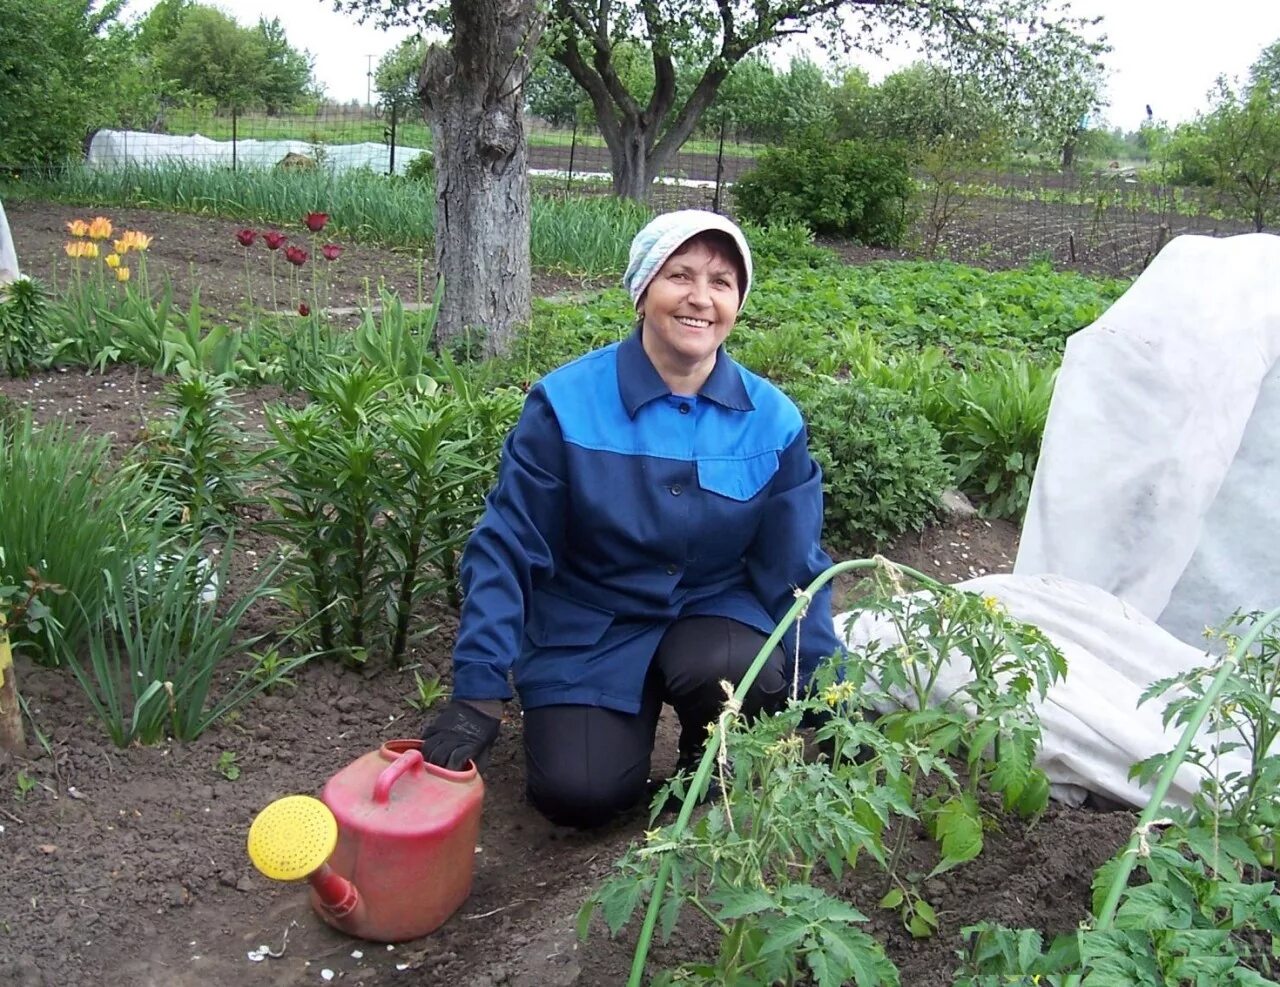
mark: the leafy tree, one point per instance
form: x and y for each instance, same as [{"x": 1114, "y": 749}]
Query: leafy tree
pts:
[
  {"x": 553, "y": 96},
  {"x": 1022, "y": 51},
  {"x": 395, "y": 80},
  {"x": 1265, "y": 72},
  {"x": 161, "y": 24},
  {"x": 286, "y": 73},
  {"x": 470, "y": 87},
  {"x": 211, "y": 55},
  {"x": 1025, "y": 51},
  {"x": 58, "y": 72},
  {"x": 1241, "y": 140}
]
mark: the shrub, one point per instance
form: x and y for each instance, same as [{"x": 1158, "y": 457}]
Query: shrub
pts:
[
  {"x": 422, "y": 168},
  {"x": 786, "y": 244},
  {"x": 844, "y": 188},
  {"x": 883, "y": 467}
]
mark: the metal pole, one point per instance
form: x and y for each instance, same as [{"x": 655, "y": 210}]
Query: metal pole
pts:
[
  {"x": 234, "y": 138},
  {"x": 573, "y": 146},
  {"x": 715, "y": 201},
  {"x": 392, "y": 169}
]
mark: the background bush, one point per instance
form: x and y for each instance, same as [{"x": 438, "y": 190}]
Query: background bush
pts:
[
  {"x": 883, "y": 466},
  {"x": 844, "y": 188}
]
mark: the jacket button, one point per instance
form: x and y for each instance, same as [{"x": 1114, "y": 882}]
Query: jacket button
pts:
[
  {"x": 672, "y": 569},
  {"x": 684, "y": 407},
  {"x": 676, "y": 490}
]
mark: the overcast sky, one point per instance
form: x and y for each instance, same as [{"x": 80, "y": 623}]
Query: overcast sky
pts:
[{"x": 1166, "y": 53}]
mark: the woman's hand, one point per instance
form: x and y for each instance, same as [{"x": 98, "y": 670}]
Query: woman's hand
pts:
[{"x": 463, "y": 731}]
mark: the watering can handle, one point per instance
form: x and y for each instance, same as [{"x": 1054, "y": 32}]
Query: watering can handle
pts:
[{"x": 393, "y": 772}]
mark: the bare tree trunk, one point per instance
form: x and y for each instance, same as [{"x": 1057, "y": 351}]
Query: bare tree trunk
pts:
[
  {"x": 1069, "y": 153},
  {"x": 473, "y": 96},
  {"x": 630, "y": 156}
]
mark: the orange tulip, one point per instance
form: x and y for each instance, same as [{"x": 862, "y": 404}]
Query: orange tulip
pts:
[
  {"x": 99, "y": 228},
  {"x": 89, "y": 249},
  {"x": 135, "y": 240},
  {"x": 72, "y": 247},
  {"x": 78, "y": 227}
]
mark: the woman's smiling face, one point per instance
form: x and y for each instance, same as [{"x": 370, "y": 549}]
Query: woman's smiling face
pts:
[{"x": 689, "y": 309}]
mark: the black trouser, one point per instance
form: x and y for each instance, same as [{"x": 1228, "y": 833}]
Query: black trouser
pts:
[{"x": 585, "y": 764}]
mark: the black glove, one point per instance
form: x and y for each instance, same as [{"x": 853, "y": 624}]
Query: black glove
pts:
[{"x": 458, "y": 734}]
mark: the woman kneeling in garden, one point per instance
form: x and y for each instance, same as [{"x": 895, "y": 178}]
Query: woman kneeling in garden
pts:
[{"x": 656, "y": 508}]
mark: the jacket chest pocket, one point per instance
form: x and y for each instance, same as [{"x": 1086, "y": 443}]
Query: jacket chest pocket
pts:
[{"x": 738, "y": 479}]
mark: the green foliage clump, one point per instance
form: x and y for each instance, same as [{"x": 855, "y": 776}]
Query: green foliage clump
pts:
[
  {"x": 911, "y": 305},
  {"x": 785, "y": 245},
  {"x": 882, "y": 463},
  {"x": 379, "y": 481},
  {"x": 842, "y": 188},
  {"x": 71, "y": 517},
  {"x": 168, "y": 626},
  {"x": 196, "y": 456},
  {"x": 422, "y": 168},
  {"x": 24, "y": 326}
]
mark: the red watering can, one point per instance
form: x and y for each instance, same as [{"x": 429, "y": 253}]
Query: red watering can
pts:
[{"x": 388, "y": 848}]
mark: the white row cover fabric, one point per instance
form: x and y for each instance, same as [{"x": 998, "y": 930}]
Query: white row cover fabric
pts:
[
  {"x": 1093, "y": 728},
  {"x": 1157, "y": 473},
  {"x": 1153, "y": 512},
  {"x": 115, "y": 148},
  {"x": 8, "y": 253}
]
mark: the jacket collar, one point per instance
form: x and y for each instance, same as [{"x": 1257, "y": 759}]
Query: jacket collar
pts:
[{"x": 639, "y": 381}]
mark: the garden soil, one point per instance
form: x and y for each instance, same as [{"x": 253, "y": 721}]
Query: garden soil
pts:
[{"x": 129, "y": 866}]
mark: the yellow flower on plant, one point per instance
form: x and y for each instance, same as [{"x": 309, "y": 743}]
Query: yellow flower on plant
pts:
[
  {"x": 992, "y": 605},
  {"x": 72, "y": 247},
  {"x": 100, "y": 228},
  {"x": 841, "y": 692},
  {"x": 122, "y": 246},
  {"x": 122, "y": 274},
  {"x": 113, "y": 260},
  {"x": 78, "y": 227},
  {"x": 89, "y": 249},
  {"x": 133, "y": 240}
]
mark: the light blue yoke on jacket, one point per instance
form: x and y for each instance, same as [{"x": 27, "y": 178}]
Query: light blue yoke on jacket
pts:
[{"x": 621, "y": 507}]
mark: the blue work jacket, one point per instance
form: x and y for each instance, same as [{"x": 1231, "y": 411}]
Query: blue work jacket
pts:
[{"x": 621, "y": 507}]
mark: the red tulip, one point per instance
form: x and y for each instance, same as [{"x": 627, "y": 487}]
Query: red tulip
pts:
[
  {"x": 295, "y": 255},
  {"x": 274, "y": 239},
  {"x": 331, "y": 251},
  {"x": 246, "y": 237},
  {"x": 304, "y": 309},
  {"x": 315, "y": 221}
]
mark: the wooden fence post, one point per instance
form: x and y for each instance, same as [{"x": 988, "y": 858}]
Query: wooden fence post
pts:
[{"x": 11, "y": 736}]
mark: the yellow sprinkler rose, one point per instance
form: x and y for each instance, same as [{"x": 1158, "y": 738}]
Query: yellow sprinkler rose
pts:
[
  {"x": 100, "y": 228},
  {"x": 113, "y": 260},
  {"x": 122, "y": 274},
  {"x": 78, "y": 227}
]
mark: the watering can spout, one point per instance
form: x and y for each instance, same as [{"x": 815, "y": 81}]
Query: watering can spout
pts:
[{"x": 338, "y": 897}]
